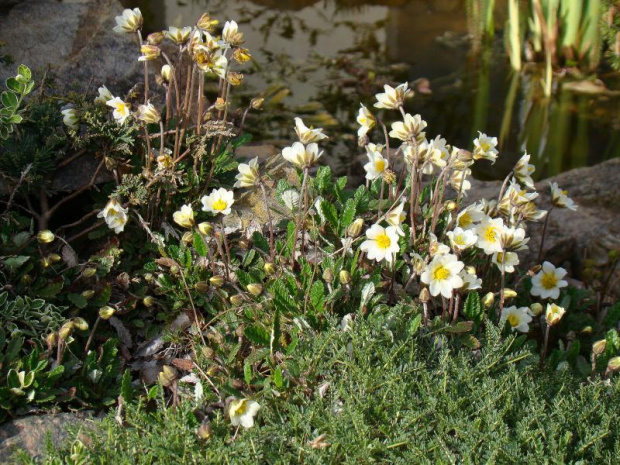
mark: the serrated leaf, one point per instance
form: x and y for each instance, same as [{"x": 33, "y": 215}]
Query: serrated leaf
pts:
[
  {"x": 247, "y": 373},
  {"x": 473, "y": 308},
  {"x": 317, "y": 296},
  {"x": 460, "y": 327},
  {"x": 126, "y": 387},
  {"x": 470, "y": 341},
  {"x": 277, "y": 377},
  {"x": 415, "y": 324},
  {"x": 348, "y": 215},
  {"x": 199, "y": 245},
  {"x": 331, "y": 215},
  {"x": 257, "y": 334}
]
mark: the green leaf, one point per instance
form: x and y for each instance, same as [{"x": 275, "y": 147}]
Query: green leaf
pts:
[
  {"x": 274, "y": 339},
  {"x": 473, "y": 308},
  {"x": 277, "y": 377},
  {"x": 199, "y": 245},
  {"x": 241, "y": 140},
  {"x": 14, "y": 85},
  {"x": 323, "y": 179},
  {"x": 460, "y": 327},
  {"x": 247, "y": 373},
  {"x": 348, "y": 215},
  {"x": 415, "y": 324},
  {"x": 259, "y": 240},
  {"x": 15, "y": 262},
  {"x": 330, "y": 213},
  {"x": 9, "y": 99},
  {"x": 317, "y": 296},
  {"x": 24, "y": 71},
  {"x": 78, "y": 300},
  {"x": 126, "y": 387},
  {"x": 51, "y": 290},
  {"x": 257, "y": 334},
  {"x": 16, "y": 119}
]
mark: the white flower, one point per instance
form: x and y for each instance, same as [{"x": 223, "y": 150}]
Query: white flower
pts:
[
  {"x": 554, "y": 314},
  {"x": 70, "y": 118},
  {"x": 442, "y": 275},
  {"x": 218, "y": 201},
  {"x": 130, "y": 21},
  {"x": 211, "y": 61},
  {"x": 468, "y": 218},
  {"x": 166, "y": 73},
  {"x": 376, "y": 165},
  {"x": 382, "y": 243},
  {"x": 290, "y": 198},
  {"x": 517, "y": 318},
  {"x": 121, "y": 109},
  {"x": 560, "y": 198},
  {"x": 523, "y": 170},
  {"x": 506, "y": 261},
  {"x": 470, "y": 281},
  {"x": 184, "y": 217},
  {"x": 513, "y": 239},
  {"x": 231, "y": 33},
  {"x": 395, "y": 217},
  {"x": 308, "y": 135},
  {"x": 461, "y": 239},
  {"x": 437, "y": 248},
  {"x": 114, "y": 215},
  {"x": 302, "y": 156},
  {"x": 242, "y": 412},
  {"x": 104, "y": 95},
  {"x": 366, "y": 120},
  {"x": 548, "y": 281},
  {"x": 410, "y": 128},
  {"x": 248, "y": 174},
  {"x": 148, "y": 113},
  {"x": 489, "y": 234},
  {"x": 392, "y": 98},
  {"x": 459, "y": 181},
  {"x": 178, "y": 35},
  {"x": 484, "y": 147}
]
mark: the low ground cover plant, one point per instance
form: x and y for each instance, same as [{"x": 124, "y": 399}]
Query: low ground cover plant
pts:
[{"x": 157, "y": 301}]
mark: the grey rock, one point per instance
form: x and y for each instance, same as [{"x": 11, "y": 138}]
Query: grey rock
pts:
[
  {"x": 30, "y": 433},
  {"x": 75, "y": 39}
]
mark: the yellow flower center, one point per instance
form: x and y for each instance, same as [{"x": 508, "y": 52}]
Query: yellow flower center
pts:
[
  {"x": 485, "y": 146},
  {"x": 465, "y": 220},
  {"x": 459, "y": 240},
  {"x": 490, "y": 234},
  {"x": 500, "y": 257},
  {"x": 513, "y": 320},
  {"x": 441, "y": 273},
  {"x": 238, "y": 407},
  {"x": 379, "y": 165},
  {"x": 549, "y": 281},
  {"x": 383, "y": 241},
  {"x": 220, "y": 205}
]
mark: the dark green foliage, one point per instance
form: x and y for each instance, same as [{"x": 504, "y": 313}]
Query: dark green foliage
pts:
[{"x": 394, "y": 396}]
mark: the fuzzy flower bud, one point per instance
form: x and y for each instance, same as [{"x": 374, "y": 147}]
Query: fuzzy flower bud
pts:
[
  {"x": 216, "y": 281},
  {"x": 554, "y": 314},
  {"x": 65, "y": 330},
  {"x": 345, "y": 277},
  {"x": 355, "y": 228},
  {"x": 255, "y": 289},
  {"x": 155, "y": 38},
  {"x": 107, "y": 312},
  {"x": 206, "y": 23},
  {"x": 509, "y": 293},
  {"x": 45, "y": 237},
  {"x": 80, "y": 323},
  {"x": 328, "y": 276},
  {"x": 488, "y": 299},
  {"x": 149, "y": 52},
  {"x": 166, "y": 72},
  {"x": 599, "y": 347},
  {"x": 205, "y": 228},
  {"x": 149, "y": 114},
  {"x": 89, "y": 272},
  {"x": 88, "y": 294},
  {"x": 236, "y": 299},
  {"x": 536, "y": 309},
  {"x": 613, "y": 364},
  {"x": 269, "y": 268},
  {"x": 148, "y": 301}
]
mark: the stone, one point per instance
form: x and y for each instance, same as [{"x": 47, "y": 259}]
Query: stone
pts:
[
  {"x": 75, "y": 39},
  {"x": 31, "y": 433}
]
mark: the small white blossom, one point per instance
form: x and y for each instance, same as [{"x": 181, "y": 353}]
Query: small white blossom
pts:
[
  {"x": 290, "y": 198},
  {"x": 470, "y": 217},
  {"x": 470, "y": 281},
  {"x": 517, "y": 318},
  {"x": 381, "y": 243},
  {"x": 410, "y": 128},
  {"x": 506, "y": 261},
  {"x": 376, "y": 165},
  {"x": 121, "y": 109},
  {"x": 560, "y": 198},
  {"x": 70, "y": 118},
  {"x": 302, "y": 156},
  {"x": 184, "y": 217},
  {"x": 218, "y": 201},
  {"x": 523, "y": 170},
  {"x": 231, "y": 33},
  {"x": 104, "y": 95},
  {"x": 548, "y": 282},
  {"x": 366, "y": 120},
  {"x": 308, "y": 135},
  {"x": 554, "y": 314},
  {"x": 484, "y": 147},
  {"x": 461, "y": 239},
  {"x": 442, "y": 275},
  {"x": 489, "y": 235},
  {"x": 130, "y": 21},
  {"x": 396, "y": 216},
  {"x": 179, "y": 36},
  {"x": 248, "y": 174},
  {"x": 392, "y": 98},
  {"x": 114, "y": 215},
  {"x": 242, "y": 412}
]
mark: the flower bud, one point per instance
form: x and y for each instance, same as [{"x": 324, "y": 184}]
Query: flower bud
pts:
[
  {"x": 599, "y": 347},
  {"x": 148, "y": 277},
  {"x": 236, "y": 299},
  {"x": 355, "y": 228},
  {"x": 269, "y": 268},
  {"x": 536, "y": 309},
  {"x": 89, "y": 272},
  {"x": 535, "y": 269},
  {"x": 54, "y": 257},
  {"x": 488, "y": 300},
  {"x": 206, "y": 23},
  {"x": 220, "y": 104},
  {"x": 216, "y": 281},
  {"x": 201, "y": 286},
  {"x": 187, "y": 238},
  {"x": 45, "y": 237},
  {"x": 26, "y": 279},
  {"x": 149, "y": 114},
  {"x": 344, "y": 277},
  {"x": 241, "y": 55},
  {"x": 243, "y": 244},
  {"x": 587, "y": 330},
  {"x": 148, "y": 301},
  {"x": 425, "y": 296},
  {"x": 107, "y": 312},
  {"x": 80, "y": 323},
  {"x": 51, "y": 340},
  {"x": 65, "y": 331},
  {"x": 255, "y": 289},
  {"x": 166, "y": 71},
  {"x": 234, "y": 78},
  {"x": 88, "y": 294},
  {"x": 328, "y": 276},
  {"x": 204, "y": 430},
  {"x": 256, "y": 103},
  {"x": 205, "y": 228},
  {"x": 155, "y": 38},
  {"x": 613, "y": 364},
  {"x": 509, "y": 293},
  {"x": 450, "y": 205},
  {"x": 554, "y": 314},
  {"x": 149, "y": 52}
]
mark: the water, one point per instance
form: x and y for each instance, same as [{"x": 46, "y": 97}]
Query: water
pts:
[{"x": 319, "y": 59}]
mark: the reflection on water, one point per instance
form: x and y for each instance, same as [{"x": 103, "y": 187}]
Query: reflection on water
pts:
[{"x": 318, "y": 59}]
